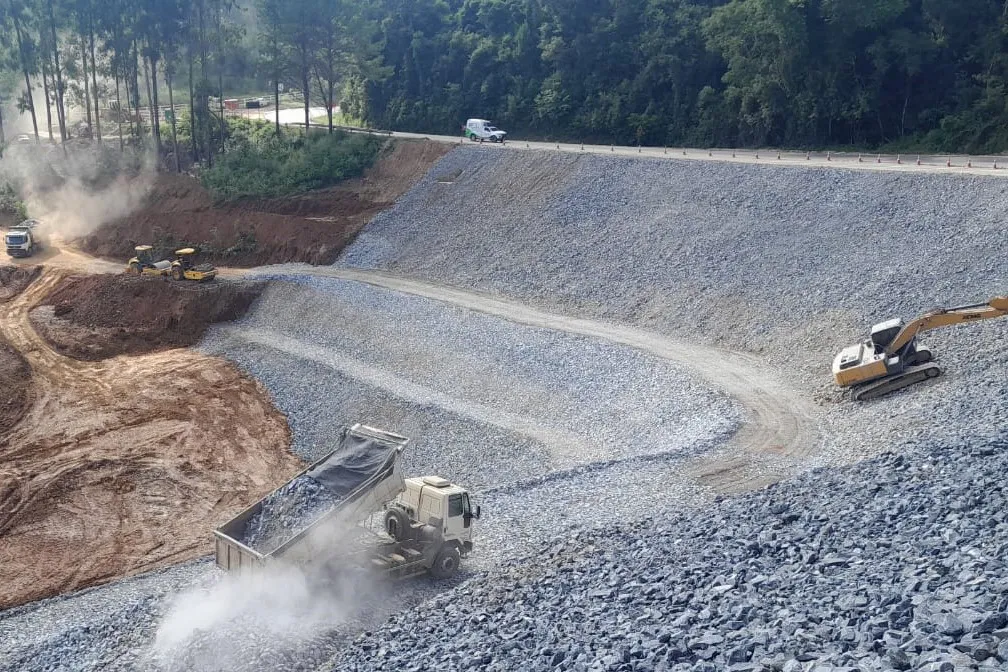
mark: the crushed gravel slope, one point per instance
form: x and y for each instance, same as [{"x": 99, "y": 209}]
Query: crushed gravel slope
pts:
[
  {"x": 897, "y": 563},
  {"x": 790, "y": 263}
]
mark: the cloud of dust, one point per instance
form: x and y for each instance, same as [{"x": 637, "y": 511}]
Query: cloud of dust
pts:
[
  {"x": 247, "y": 618},
  {"x": 73, "y": 194}
]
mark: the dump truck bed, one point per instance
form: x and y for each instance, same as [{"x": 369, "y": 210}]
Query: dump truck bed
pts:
[{"x": 330, "y": 498}]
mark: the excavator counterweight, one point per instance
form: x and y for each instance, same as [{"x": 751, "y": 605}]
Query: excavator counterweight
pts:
[{"x": 892, "y": 359}]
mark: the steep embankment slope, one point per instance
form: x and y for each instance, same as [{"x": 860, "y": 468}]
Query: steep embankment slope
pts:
[{"x": 789, "y": 263}]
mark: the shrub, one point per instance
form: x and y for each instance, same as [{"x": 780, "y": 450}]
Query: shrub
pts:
[{"x": 260, "y": 164}]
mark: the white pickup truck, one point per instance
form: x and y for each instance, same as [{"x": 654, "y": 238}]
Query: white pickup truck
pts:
[{"x": 481, "y": 129}]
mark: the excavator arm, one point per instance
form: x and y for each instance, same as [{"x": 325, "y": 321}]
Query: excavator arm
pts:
[{"x": 996, "y": 307}]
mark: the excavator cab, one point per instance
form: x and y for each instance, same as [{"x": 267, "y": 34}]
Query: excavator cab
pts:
[{"x": 883, "y": 333}]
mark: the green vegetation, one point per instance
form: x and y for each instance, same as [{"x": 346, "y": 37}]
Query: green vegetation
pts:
[
  {"x": 11, "y": 206},
  {"x": 900, "y": 74},
  {"x": 804, "y": 73},
  {"x": 258, "y": 163}
]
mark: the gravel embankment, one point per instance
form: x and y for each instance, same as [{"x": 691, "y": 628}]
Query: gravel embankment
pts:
[
  {"x": 792, "y": 263},
  {"x": 486, "y": 402},
  {"x": 897, "y": 563},
  {"x": 531, "y": 420},
  {"x": 595, "y": 552}
]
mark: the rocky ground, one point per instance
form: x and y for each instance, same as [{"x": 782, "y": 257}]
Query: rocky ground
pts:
[
  {"x": 598, "y": 549},
  {"x": 789, "y": 263},
  {"x": 897, "y": 563}
]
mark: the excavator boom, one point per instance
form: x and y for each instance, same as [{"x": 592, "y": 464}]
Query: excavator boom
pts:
[
  {"x": 892, "y": 359},
  {"x": 942, "y": 317}
]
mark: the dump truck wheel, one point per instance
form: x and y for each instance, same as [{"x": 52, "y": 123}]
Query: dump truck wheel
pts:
[
  {"x": 396, "y": 524},
  {"x": 446, "y": 563}
]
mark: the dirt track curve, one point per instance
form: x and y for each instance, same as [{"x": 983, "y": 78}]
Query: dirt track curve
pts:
[
  {"x": 780, "y": 426},
  {"x": 121, "y": 466}
]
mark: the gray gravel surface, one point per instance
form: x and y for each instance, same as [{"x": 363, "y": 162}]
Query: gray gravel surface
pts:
[
  {"x": 486, "y": 402},
  {"x": 897, "y": 563},
  {"x": 793, "y": 263},
  {"x": 287, "y": 511},
  {"x": 595, "y": 551}
]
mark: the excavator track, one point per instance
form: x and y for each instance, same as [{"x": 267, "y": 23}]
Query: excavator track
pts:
[{"x": 910, "y": 376}]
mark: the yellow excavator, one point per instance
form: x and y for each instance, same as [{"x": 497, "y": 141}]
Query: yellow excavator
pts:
[
  {"x": 182, "y": 268},
  {"x": 893, "y": 359}
]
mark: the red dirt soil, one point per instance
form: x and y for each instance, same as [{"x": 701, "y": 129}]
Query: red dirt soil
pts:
[
  {"x": 15, "y": 373},
  {"x": 97, "y": 316},
  {"x": 124, "y": 465},
  {"x": 312, "y": 227}
]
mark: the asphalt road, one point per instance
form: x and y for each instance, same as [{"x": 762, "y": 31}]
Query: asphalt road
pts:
[{"x": 930, "y": 163}]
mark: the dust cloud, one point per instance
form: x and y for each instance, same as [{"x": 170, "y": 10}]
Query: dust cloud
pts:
[
  {"x": 247, "y": 619},
  {"x": 74, "y": 193}
]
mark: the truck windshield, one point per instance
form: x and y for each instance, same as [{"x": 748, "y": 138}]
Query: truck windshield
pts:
[{"x": 15, "y": 238}]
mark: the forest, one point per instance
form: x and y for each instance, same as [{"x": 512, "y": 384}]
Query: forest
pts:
[{"x": 898, "y": 74}]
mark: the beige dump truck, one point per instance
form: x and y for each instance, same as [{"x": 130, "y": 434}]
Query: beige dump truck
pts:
[{"x": 354, "y": 508}]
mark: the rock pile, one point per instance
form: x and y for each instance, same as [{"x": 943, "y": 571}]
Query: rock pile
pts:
[{"x": 286, "y": 512}]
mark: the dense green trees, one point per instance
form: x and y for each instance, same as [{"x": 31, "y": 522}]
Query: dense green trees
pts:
[
  {"x": 824, "y": 73},
  {"x": 744, "y": 72}
]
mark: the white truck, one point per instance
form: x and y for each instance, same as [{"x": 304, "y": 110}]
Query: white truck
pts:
[
  {"x": 480, "y": 130},
  {"x": 426, "y": 523},
  {"x": 23, "y": 240}
]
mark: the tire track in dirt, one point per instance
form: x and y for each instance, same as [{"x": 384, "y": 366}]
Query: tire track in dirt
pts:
[
  {"x": 780, "y": 429},
  {"x": 123, "y": 465}
]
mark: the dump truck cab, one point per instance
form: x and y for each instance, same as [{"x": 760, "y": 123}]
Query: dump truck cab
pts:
[
  {"x": 184, "y": 267},
  {"x": 22, "y": 240},
  {"x": 143, "y": 263},
  {"x": 434, "y": 501}
]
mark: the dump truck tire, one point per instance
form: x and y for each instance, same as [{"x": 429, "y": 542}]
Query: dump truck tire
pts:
[
  {"x": 446, "y": 563},
  {"x": 397, "y": 524}
]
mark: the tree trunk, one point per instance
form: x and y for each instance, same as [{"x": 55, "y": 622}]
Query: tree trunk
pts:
[
  {"x": 60, "y": 121},
  {"x": 3, "y": 138},
  {"x": 24, "y": 68},
  {"x": 60, "y": 108},
  {"x": 329, "y": 105},
  {"x": 276, "y": 97},
  {"x": 220, "y": 75},
  {"x": 156, "y": 122},
  {"x": 87, "y": 84},
  {"x": 45, "y": 91},
  {"x": 94, "y": 78},
  {"x": 119, "y": 110},
  {"x": 150, "y": 98},
  {"x": 305, "y": 84},
  {"x": 174, "y": 132},
  {"x": 204, "y": 103},
  {"x": 192, "y": 107},
  {"x": 135, "y": 117}
]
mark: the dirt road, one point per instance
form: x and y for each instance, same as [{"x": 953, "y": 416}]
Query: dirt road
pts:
[
  {"x": 780, "y": 428},
  {"x": 124, "y": 465}
]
